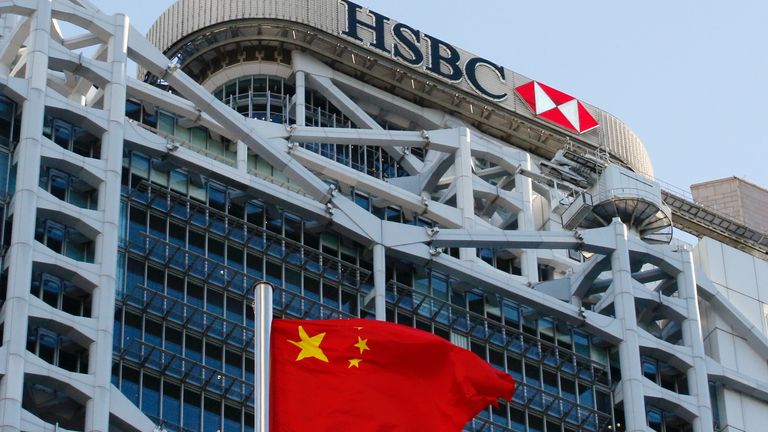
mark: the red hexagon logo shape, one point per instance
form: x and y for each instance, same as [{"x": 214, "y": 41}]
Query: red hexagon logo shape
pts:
[{"x": 557, "y": 107}]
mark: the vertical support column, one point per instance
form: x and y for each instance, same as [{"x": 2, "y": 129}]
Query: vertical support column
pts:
[
  {"x": 242, "y": 156},
  {"x": 698, "y": 383},
  {"x": 379, "y": 281},
  {"x": 523, "y": 185},
  {"x": 100, "y": 356},
  {"x": 24, "y": 207},
  {"x": 465, "y": 198},
  {"x": 629, "y": 348},
  {"x": 301, "y": 111},
  {"x": 262, "y": 318}
]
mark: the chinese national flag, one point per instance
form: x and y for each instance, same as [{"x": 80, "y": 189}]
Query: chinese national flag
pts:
[{"x": 373, "y": 376}]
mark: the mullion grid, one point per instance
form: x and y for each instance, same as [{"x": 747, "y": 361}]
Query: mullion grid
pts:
[{"x": 403, "y": 299}]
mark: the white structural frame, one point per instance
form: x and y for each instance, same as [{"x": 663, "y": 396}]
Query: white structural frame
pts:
[{"x": 40, "y": 68}]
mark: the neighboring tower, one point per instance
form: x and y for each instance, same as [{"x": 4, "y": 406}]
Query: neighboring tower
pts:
[{"x": 736, "y": 198}]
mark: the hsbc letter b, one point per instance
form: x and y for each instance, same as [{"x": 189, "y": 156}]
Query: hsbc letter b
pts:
[{"x": 438, "y": 59}]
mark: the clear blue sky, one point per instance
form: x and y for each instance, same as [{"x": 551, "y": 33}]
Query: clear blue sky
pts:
[{"x": 690, "y": 77}]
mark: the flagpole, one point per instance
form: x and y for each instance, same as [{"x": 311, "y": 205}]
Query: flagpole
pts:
[{"x": 262, "y": 318}]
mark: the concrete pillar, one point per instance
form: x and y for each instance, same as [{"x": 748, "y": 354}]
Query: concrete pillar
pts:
[
  {"x": 465, "y": 198},
  {"x": 629, "y": 349},
  {"x": 262, "y": 318},
  {"x": 242, "y": 156},
  {"x": 698, "y": 382},
  {"x": 379, "y": 282},
  {"x": 24, "y": 207},
  {"x": 100, "y": 356},
  {"x": 523, "y": 185},
  {"x": 301, "y": 113}
]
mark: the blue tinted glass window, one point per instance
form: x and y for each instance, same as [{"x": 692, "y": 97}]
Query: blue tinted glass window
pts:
[
  {"x": 191, "y": 410},
  {"x": 150, "y": 395},
  {"x": 3, "y": 171},
  {"x": 130, "y": 384},
  {"x": 213, "y": 355},
  {"x": 231, "y": 418},
  {"x": 655, "y": 419},
  {"x": 193, "y": 348},
  {"x": 55, "y": 237},
  {"x": 62, "y": 134},
  {"x": 171, "y": 402},
  {"x": 212, "y": 416}
]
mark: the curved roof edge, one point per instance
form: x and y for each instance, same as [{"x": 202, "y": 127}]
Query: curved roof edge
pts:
[{"x": 489, "y": 83}]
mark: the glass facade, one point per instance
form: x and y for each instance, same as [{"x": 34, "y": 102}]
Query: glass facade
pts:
[
  {"x": 267, "y": 98},
  {"x": 192, "y": 249},
  {"x": 9, "y": 137},
  {"x": 194, "y": 221}
]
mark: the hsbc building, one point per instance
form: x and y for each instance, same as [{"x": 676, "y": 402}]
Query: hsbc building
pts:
[{"x": 350, "y": 166}]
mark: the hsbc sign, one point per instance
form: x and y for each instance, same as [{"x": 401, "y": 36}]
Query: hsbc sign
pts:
[
  {"x": 556, "y": 106},
  {"x": 436, "y": 57},
  {"x": 407, "y": 45}
]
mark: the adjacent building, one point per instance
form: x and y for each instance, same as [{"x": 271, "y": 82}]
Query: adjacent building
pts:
[
  {"x": 736, "y": 198},
  {"x": 364, "y": 169}
]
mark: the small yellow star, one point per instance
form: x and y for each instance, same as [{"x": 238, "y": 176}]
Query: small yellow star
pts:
[
  {"x": 310, "y": 346},
  {"x": 362, "y": 344},
  {"x": 355, "y": 363}
]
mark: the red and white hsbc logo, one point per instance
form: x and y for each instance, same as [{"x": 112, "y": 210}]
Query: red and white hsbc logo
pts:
[{"x": 559, "y": 108}]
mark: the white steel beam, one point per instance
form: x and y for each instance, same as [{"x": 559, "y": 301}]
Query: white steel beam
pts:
[
  {"x": 24, "y": 205},
  {"x": 434, "y": 140},
  {"x": 100, "y": 365},
  {"x": 361, "y": 119},
  {"x": 632, "y": 382},
  {"x": 698, "y": 382}
]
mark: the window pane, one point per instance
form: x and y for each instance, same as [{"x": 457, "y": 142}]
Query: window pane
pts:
[
  {"x": 171, "y": 402},
  {"x": 167, "y": 123},
  {"x": 150, "y": 395},
  {"x": 191, "y": 410},
  {"x": 212, "y": 416}
]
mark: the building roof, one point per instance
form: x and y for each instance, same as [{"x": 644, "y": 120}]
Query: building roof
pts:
[{"x": 321, "y": 21}]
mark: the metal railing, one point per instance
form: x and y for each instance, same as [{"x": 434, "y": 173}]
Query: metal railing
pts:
[
  {"x": 230, "y": 161},
  {"x": 699, "y": 220}
]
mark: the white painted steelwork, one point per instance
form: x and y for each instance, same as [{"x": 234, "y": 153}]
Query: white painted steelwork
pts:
[{"x": 645, "y": 300}]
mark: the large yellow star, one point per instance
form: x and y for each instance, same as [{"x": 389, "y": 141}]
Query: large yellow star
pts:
[
  {"x": 310, "y": 346},
  {"x": 362, "y": 344}
]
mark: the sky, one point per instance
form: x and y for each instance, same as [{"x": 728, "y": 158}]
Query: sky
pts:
[{"x": 689, "y": 77}]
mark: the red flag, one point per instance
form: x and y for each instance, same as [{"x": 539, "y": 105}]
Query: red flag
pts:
[{"x": 373, "y": 376}]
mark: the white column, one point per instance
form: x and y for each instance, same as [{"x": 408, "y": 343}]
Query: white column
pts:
[
  {"x": 100, "y": 352},
  {"x": 528, "y": 259},
  {"x": 262, "y": 318},
  {"x": 629, "y": 349},
  {"x": 698, "y": 382},
  {"x": 465, "y": 198},
  {"x": 242, "y": 156},
  {"x": 301, "y": 113},
  {"x": 24, "y": 206},
  {"x": 379, "y": 282}
]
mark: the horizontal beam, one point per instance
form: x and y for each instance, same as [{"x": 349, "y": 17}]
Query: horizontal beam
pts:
[{"x": 434, "y": 140}]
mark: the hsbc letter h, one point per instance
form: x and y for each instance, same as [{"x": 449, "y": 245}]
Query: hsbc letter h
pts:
[{"x": 354, "y": 24}]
